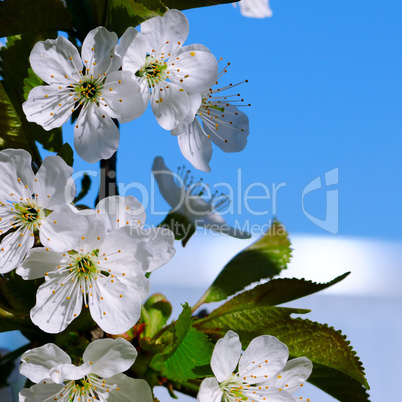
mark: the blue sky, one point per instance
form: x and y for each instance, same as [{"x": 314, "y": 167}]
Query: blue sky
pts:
[{"x": 324, "y": 85}]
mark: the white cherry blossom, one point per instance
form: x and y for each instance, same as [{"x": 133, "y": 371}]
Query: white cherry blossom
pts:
[
  {"x": 98, "y": 378},
  {"x": 105, "y": 273},
  {"x": 92, "y": 85},
  {"x": 157, "y": 242},
  {"x": 191, "y": 199},
  {"x": 222, "y": 123},
  {"x": 165, "y": 69},
  {"x": 264, "y": 372},
  {"x": 254, "y": 8},
  {"x": 27, "y": 199}
]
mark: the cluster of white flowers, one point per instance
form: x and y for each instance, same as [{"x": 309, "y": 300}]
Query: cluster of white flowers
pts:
[
  {"x": 98, "y": 378},
  {"x": 98, "y": 259},
  {"x": 114, "y": 80}
]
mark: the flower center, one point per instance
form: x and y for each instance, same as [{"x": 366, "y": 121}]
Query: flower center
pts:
[
  {"x": 87, "y": 389},
  {"x": 84, "y": 265},
  {"x": 28, "y": 214},
  {"x": 89, "y": 89},
  {"x": 153, "y": 70},
  {"x": 233, "y": 388}
]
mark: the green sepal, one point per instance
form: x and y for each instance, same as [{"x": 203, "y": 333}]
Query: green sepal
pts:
[
  {"x": 265, "y": 258},
  {"x": 181, "y": 227},
  {"x": 31, "y": 82}
]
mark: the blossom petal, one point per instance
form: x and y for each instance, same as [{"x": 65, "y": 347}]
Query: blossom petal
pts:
[
  {"x": 121, "y": 211},
  {"x": 40, "y": 392},
  {"x": 49, "y": 106},
  {"x": 233, "y": 128},
  {"x": 94, "y": 237},
  {"x": 110, "y": 356},
  {"x": 123, "y": 96},
  {"x": 68, "y": 372},
  {"x": 255, "y": 8},
  {"x": 170, "y": 104},
  {"x": 196, "y": 71},
  {"x": 98, "y": 52},
  {"x": 195, "y": 145},
  {"x": 56, "y": 61},
  {"x": 216, "y": 223},
  {"x": 95, "y": 135},
  {"x": 129, "y": 387},
  {"x": 54, "y": 186},
  {"x": 264, "y": 357},
  {"x": 209, "y": 391},
  {"x": 58, "y": 302},
  {"x": 133, "y": 49},
  {"x": 165, "y": 178},
  {"x": 40, "y": 261},
  {"x": 194, "y": 102},
  {"x": 154, "y": 247},
  {"x": 293, "y": 375},
  {"x": 226, "y": 356},
  {"x": 37, "y": 363},
  {"x": 166, "y": 34},
  {"x": 61, "y": 230},
  {"x": 13, "y": 249},
  {"x": 116, "y": 306},
  {"x": 15, "y": 163}
]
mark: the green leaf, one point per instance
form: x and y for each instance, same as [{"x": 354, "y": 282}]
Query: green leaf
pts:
[
  {"x": 11, "y": 132},
  {"x": 27, "y": 16},
  {"x": 14, "y": 68},
  {"x": 329, "y": 381},
  {"x": 125, "y": 13},
  {"x": 186, "y": 4},
  {"x": 67, "y": 154},
  {"x": 279, "y": 291},
  {"x": 248, "y": 314},
  {"x": 265, "y": 258},
  {"x": 181, "y": 328},
  {"x": 86, "y": 15},
  {"x": 323, "y": 345},
  {"x": 188, "y": 350},
  {"x": 194, "y": 351}
]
